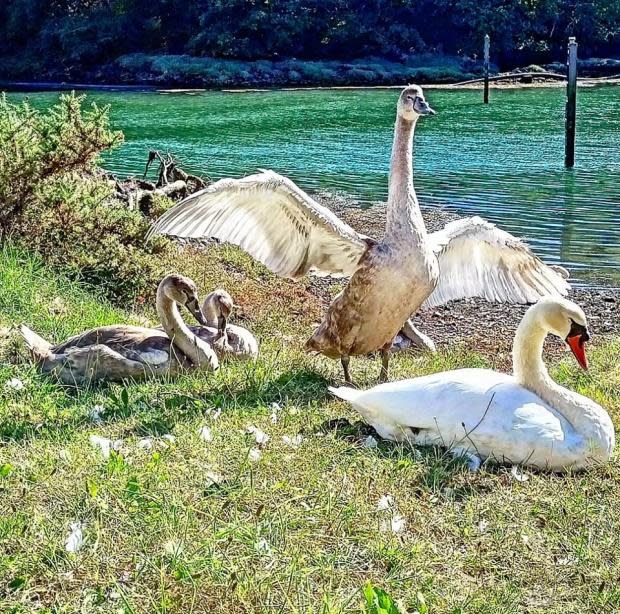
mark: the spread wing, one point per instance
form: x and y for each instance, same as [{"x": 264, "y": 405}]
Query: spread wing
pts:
[
  {"x": 272, "y": 219},
  {"x": 478, "y": 259}
]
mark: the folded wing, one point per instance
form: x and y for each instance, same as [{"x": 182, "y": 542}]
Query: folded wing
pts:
[
  {"x": 478, "y": 259},
  {"x": 272, "y": 219}
]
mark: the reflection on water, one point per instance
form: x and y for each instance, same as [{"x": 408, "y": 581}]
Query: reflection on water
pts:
[{"x": 502, "y": 161}]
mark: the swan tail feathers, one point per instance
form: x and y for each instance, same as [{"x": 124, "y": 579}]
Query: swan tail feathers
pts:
[
  {"x": 38, "y": 347},
  {"x": 345, "y": 393}
]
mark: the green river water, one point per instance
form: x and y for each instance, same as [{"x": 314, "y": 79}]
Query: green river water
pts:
[{"x": 503, "y": 161}]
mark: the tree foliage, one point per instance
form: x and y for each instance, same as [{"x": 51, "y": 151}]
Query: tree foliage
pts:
[{"x": 69, "y": 38}]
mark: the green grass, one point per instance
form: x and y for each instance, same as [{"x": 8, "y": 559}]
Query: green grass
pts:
[{"x": 299, "y": 529}]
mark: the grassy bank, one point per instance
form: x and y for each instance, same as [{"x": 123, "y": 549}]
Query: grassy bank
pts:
[{"x": 214, "y": 526}]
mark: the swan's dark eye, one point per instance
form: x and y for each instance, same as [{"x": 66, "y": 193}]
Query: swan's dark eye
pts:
[{"x": 578, "y": 330}]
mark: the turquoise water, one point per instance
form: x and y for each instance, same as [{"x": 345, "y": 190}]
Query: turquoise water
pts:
[{"x": 503, "y": 161}]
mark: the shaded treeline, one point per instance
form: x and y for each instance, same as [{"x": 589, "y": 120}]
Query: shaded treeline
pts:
[{"x": 72, "y": 38}]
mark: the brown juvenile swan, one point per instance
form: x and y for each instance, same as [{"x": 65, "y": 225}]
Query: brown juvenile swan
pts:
[
  {"x": 235, "y": 341},
  {"x": 280, "y": 225},
  {"x": 117, "y": 352},
  {"x": 228, "y": 341}
]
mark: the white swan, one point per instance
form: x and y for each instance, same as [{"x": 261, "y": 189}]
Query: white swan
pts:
[
  {"x": 522, "y": 419},
  {"x": 280, "y": 225}
]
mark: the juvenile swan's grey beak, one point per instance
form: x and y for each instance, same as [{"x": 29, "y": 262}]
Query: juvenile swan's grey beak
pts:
[
  {"x": 421, "y": 107},
  {"x": 194, "y": 308}
]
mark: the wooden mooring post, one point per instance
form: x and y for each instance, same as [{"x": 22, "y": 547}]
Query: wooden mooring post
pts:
[
  {"x": 571, "y": 103},
  {"x": 487, "y": 49}
]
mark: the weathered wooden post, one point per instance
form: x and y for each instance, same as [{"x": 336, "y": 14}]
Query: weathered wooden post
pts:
[
  {"x": 571, "y": 103},
  {"x": 487, "y": 48}
]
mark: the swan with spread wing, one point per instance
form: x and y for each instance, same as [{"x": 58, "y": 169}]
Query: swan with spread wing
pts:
[{"x": 280, "y": 225}]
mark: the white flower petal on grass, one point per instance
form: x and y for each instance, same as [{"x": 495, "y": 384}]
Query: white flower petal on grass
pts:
[
  {"x": 259, "y": 436},
  {"x": 146, "y": 443},
  {"x": 262, "y": 546},
  {"x": 370, "y": 442},
  {"x": 213, "y": 478},
  {"x": 14, "y": 384},
  {"x": 105, "y": 445},
  {"x": 483, "y": 525},
  {"x": 292, "y": 442},
  {"x": 254, "y": 455},
  {"x": 95, "y": 413},
  {"x": 275, "y": 408},
  {"x": 216, "y": 414},
  {"x": 205, "y": 434},
  {"x": 518, "y": 474},
  {"x": 173, "y": 548},
  {"x": 168, "y": 438},
  {"x": 65, "y": 455},
  {"x": 398, "y": 523},
  {"x": 75, "y": 540},
  {"x": 385, "y": 502}
]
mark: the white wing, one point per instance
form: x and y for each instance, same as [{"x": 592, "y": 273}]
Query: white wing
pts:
[
  {"x": 478, "y": 259},
  {"x": 272, "y": 219}
]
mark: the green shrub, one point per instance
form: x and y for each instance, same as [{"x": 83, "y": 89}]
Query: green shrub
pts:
[
  {"x": 54, "y": 200},
  {"x": 36, "y": 148}
]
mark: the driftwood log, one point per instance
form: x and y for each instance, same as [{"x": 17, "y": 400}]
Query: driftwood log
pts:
[{"x": 172, "y": 182}]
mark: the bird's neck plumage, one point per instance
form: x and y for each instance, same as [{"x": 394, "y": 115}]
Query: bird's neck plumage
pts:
[
  {"x": 181, "y": 336},
  {"x": 404, "y": 218},
  {"x": 210, "y": 312},
  {"x": 586, "y": 417}
]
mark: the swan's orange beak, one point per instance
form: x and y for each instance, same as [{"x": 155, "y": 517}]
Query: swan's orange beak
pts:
[{"x": 577, "y": 344}]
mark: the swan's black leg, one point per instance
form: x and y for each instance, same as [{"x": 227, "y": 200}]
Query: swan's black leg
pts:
[
  {"x": 344, "y": 361},
  {"x": 385, "y": 363}
]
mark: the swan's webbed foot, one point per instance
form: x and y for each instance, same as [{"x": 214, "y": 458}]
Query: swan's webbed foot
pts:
[{"x": 417, "y": 338}]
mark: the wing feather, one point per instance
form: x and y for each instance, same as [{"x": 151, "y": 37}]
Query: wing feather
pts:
[
  {"x": 272, "y": 219},
  {"x": 478, "y": 259}
]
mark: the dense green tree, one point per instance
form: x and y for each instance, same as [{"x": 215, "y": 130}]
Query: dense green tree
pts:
[{"x": 76, "y": 37}]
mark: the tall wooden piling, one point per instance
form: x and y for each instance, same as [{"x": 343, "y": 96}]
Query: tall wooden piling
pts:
[
  {"x": 571, "y": 103},
  {"x": 487, "y": 50}
]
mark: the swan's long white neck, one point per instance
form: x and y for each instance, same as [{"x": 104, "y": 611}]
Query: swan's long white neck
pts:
[
  {"x": 404, "y": 218},
  {"x": 586, "y": 417},
  {"x": 199, "y": 352}
]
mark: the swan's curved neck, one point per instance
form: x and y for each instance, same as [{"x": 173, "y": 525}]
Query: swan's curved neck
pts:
[
  {"x": 200, "y": 353},
  {"x": 527, "y": 363},
  {"x": 404, "y": 218},
  {"x": 210, "y": 312},
  {"x": 586, "y": 417}
]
